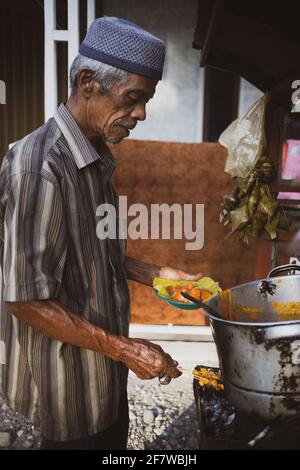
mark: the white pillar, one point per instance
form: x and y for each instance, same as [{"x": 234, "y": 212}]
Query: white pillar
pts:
[
  {"x": 2, "y": 92},
  {"x": 52, "y": 36},
  {"x": 73, "y": 32},
  {"x": 50, "y": 70},
  {"x": 91, "y": 11}
]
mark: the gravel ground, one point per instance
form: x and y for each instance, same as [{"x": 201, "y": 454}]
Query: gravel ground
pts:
[
  {"x": 15, "y": 431},
  {"x": 161, "y": 417}
]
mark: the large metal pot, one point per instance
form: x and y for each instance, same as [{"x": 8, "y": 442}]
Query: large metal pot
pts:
[{"x": 258, "y": 344}]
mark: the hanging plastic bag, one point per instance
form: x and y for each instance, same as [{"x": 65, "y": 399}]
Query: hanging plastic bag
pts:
[{"x": 244, "y": 140}]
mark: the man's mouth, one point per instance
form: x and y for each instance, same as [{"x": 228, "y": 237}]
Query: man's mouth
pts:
[
  {"x": 127, "y": 127},
  {"x": 131, "y": 127}
]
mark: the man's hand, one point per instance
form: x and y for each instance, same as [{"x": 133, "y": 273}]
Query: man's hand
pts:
[
  {"x": 145, "y": 273},
  {"x": 177, "y": 274},
  {"x": 148, "y": 360}
]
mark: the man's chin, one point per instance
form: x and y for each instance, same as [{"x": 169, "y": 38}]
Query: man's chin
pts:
[{"x": 115, "y": 139}]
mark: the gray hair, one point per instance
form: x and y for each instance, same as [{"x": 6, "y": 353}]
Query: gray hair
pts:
[{"x": 106, "y": 75}]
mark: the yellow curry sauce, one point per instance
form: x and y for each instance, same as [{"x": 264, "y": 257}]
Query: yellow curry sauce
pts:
[{"x": 286, "y": 311}]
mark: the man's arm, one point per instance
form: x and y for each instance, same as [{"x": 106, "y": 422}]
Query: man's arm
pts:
[
  {"x": 141, "y": 272},
  {"x": 147, "y": 360},
  {"x": 144, "y": 273}
]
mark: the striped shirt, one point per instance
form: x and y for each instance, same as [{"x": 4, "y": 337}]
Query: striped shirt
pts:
[{"x": 51, "y": 184}]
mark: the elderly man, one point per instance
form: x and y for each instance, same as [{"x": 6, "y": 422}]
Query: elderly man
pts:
[{"x": 65, "y": 302}]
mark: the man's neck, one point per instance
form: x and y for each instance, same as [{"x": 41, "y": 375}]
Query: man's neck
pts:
[{"x": 79, "y": 114}]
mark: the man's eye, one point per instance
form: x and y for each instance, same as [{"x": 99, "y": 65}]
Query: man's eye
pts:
[{"x": 132, "y": 100}]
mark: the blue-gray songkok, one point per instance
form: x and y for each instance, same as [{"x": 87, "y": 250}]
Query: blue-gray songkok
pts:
[{"x": 125, "y": 45}]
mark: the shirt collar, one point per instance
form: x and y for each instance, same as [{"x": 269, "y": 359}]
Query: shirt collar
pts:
[{"x": 83, "y": 151}]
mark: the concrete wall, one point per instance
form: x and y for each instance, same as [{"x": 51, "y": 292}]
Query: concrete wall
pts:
[{"x": 176, "y": 112}]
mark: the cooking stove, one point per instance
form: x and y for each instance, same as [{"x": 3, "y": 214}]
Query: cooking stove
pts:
[{"x": 223, "y": 426}]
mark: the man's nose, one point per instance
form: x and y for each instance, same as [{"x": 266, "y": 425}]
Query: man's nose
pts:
[{"x": 139, "y": 112}]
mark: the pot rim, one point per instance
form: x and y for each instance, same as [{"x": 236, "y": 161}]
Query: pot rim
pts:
[{"x": 254, "y": 324}]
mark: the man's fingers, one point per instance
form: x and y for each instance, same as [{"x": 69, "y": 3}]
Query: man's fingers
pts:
[
  {"x": 177, "y": 274},
  {"x": 171, "y": 360},
  {"x": 150, "y": 360},
  {"x": 192, "y": 277},
  {"x": 173, "y": 372}
]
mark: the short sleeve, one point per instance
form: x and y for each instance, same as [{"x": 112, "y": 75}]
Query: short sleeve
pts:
[{"x": 35, "y": 238}]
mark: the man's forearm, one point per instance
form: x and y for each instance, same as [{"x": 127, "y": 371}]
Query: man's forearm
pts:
[
  {"x": 139, "y": 271},
  {"x": 145, "y": 359},
  {"x": 58, "y": 322}
]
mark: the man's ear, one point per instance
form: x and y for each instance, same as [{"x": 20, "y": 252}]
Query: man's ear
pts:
[{"x": 86, "y": 82}]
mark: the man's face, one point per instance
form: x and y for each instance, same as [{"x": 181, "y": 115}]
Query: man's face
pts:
[{"x": 114, "y": 114}]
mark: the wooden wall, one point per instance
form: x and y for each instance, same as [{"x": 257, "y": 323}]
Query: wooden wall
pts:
[
  {"x": 22, "y": 69},
  {"x": 157, "y": 172}
]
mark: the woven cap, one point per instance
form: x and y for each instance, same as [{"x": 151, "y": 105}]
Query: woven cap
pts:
[{"x": 125, "y": 45}]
